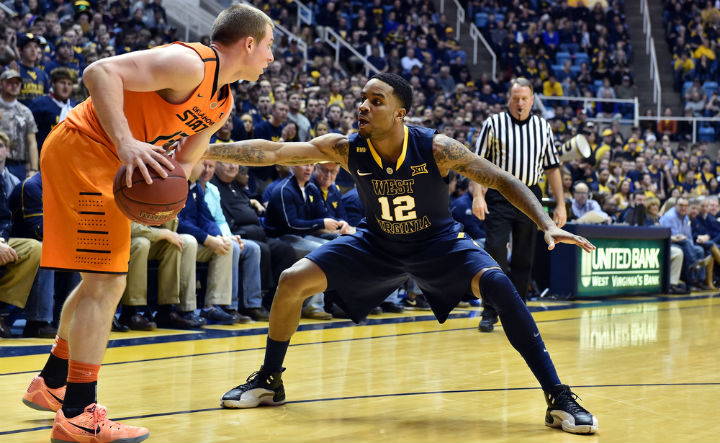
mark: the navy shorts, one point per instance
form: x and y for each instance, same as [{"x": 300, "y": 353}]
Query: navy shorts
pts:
[{"x": 363, "y": 269}]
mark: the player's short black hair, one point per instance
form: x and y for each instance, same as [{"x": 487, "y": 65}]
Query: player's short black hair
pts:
[{"x": 401, "y": 87}]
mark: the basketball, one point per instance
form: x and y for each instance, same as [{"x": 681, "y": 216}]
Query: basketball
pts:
[{"x": 152, "y": 204}]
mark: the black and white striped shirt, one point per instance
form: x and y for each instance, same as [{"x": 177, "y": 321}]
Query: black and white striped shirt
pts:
[{"x": 524, "y": 149}]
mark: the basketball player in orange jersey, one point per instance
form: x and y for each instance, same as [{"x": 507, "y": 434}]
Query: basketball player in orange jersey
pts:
[{"x": 140, "y": 103}]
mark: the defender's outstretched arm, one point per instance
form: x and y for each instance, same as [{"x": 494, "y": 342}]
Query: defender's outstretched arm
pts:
[
  {"x": 451, "y": 154},
  {"x": 326, "y": 148}
]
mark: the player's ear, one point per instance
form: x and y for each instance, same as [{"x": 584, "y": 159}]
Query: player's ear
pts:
[
  {"x": 249, "y": 43},
  {"x": 401, "y": 113}
]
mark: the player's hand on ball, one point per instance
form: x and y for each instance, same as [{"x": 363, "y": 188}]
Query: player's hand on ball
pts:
[
  {"x": 136, "y": 154},
  {"x": 557, "y": 235}
]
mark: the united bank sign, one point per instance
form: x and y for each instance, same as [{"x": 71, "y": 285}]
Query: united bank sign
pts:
[{"x": 621, "y": 267}]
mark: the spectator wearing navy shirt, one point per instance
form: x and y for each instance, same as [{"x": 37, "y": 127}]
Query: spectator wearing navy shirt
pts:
[
  {"x": 283, "y": 172},
  {"x": 64, "y": 58},
  {"x": 52, "y": 108},
  {"x": 353, "y": 207},
  {"x": 324, "y": 176},
  {"x": 271, "y": 129},
  {"x": 296, "y": 213},
  {"x": 36, "y": 82}
]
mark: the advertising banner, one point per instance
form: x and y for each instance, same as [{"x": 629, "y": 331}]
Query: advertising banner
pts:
[{"x": 621, "y": 266}]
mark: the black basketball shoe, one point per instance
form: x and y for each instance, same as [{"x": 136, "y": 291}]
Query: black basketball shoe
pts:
[
  {"x": 487, "y": 322},
  {"x": 564, "y": 412},
  {"x": 260, "y": 389}
]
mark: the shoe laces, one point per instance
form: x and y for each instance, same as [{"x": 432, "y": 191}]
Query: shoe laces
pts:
[
  {"x": 258, "y": 378},
  {"x": 568, "y": 399},
  {"x": 100, "y": 419},
  {"x": 99, "y": 415}
]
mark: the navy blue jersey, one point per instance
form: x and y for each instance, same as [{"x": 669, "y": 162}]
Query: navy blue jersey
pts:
[{"x": 407, "y": 201}]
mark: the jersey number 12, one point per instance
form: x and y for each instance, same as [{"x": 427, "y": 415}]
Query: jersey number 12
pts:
[{"x": 403, "y": 206}]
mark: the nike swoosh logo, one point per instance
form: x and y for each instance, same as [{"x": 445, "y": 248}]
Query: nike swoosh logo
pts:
[
  {"x": 60, "y": 400},
  {"x": 536, "y": 334},
  {"x": 88, "y": 430},
  {"x": 200, "y": 96},
  {"x": 363, "y": 173}
]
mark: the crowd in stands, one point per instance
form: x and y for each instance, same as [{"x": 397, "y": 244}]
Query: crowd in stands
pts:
[
  {"x": 692, "y": 30},
  {"x": 246, "y": 225},
  {"x": 565, "y": 47}
]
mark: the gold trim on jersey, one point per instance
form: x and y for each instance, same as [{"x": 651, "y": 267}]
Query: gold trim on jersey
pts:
[{"x": 400, "y": 159}]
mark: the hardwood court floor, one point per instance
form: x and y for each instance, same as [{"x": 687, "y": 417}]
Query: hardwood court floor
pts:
[{"x": 649, "y": 368}]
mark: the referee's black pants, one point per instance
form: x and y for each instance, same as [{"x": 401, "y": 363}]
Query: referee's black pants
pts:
[{"x": 504, "y": 220}]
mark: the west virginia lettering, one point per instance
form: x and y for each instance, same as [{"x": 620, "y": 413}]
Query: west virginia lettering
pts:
[
  {"x": 404, "y": 227},
  {"x": 393, "y": 187}
]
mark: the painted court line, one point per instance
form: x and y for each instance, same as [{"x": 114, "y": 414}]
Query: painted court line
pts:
[
  {"x": 371, "y": 396},
  {"x": 318, "y": 326},
  {"x": 207, "y": 334}
]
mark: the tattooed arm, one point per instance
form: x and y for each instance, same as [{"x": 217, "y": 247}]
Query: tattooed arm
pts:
[
  {"x": 329, "y": 148},
  {"x": 451, "y": 154}
]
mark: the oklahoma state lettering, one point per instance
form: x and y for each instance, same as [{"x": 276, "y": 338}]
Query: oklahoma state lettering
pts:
[{"x": 195, "y": 119}]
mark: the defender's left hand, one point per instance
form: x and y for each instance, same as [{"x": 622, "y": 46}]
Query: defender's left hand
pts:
[{"x": 557, "y": 235}]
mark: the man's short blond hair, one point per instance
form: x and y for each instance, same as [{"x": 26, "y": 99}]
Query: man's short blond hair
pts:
[
  {"x": 5, "y": 139},
  {"x": 240, "y": 21}
]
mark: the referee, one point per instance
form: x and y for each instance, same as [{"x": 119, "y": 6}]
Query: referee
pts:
[{"x": 522, "y": 145}]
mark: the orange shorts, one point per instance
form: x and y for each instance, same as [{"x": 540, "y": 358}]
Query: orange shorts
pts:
[{"x": 83, "y": 228}]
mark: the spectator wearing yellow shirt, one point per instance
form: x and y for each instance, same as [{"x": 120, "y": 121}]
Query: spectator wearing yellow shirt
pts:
[
  {"x": 552, "y": 87},
  {"x": 604, "y": 182},
  {"x": 683, "y": 67},
  {"x": 704, "y": 49},
  {"x": 622, "y": 197},
  {"x": 606, "y": 145},
  {"x": 693, "y": 187},
  {"x": 710, "y": 15},
  {"x": 684, "y": 63},
  {"x": 336, "y": 97},
  {"x": 634, "y": 146}
]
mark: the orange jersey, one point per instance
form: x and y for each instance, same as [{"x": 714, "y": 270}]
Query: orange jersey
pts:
[{"x": 158, "y": 122}]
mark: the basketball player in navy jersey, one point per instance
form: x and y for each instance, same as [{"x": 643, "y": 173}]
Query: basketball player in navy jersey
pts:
[{"x": 401, "y": 174}]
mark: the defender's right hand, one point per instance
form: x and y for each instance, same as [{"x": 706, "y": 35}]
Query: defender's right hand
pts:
[{"x": 136, "y": 154}]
